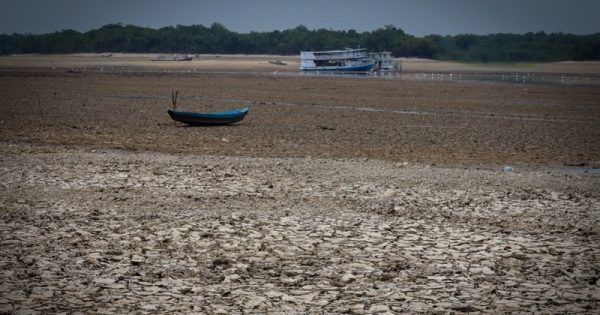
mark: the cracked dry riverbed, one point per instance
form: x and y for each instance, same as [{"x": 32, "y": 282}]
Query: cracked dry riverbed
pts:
[{"x": 93, "y": 230}]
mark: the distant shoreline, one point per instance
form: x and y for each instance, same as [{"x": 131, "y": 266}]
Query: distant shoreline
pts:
[{"x": 260, "y": 63}]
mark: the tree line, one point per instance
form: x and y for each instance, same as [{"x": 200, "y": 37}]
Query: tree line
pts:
[{"x": 216, "y": 39}]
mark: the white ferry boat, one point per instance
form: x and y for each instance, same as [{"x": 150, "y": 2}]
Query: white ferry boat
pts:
[
  {"x": 347, "y": 60},
  {"x": 383, "y": 61}
]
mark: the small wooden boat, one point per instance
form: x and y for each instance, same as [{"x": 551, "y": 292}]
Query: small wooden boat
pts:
[
  {"x": 277, "y": 62},
  {"x": 175, "y": 57},
  {"x": 209, "y": 119}
]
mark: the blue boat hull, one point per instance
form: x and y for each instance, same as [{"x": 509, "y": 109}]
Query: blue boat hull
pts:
[
  {"x": 361, "y": 68},
  {"x": 209, "y": 119}
]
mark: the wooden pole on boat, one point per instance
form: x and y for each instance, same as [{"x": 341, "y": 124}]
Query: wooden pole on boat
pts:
[{"x": 174, "y": 101}]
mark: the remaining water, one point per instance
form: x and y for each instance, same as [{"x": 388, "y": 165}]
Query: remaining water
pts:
[
  {"x": 574, "y": 170},
  {"x": 515, "y": 78}
]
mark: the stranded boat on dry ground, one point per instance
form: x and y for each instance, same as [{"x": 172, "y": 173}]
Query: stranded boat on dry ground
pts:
[
  {"x": 347, "y": 60},
  {"x": 205, "y": 119},
  {"x": 209, "y": 119}
]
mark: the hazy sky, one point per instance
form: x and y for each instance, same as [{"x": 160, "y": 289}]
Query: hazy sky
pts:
[{"x": 416, "y": 17}]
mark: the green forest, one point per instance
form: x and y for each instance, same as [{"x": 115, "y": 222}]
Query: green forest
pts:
[{"x": 217, "y": 39}]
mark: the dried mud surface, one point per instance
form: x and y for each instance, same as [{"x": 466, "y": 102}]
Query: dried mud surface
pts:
[
  {"x": 334, "y": 195},
  {"x": 113, "y": 231},
  {"x": 291, "y": 116}
]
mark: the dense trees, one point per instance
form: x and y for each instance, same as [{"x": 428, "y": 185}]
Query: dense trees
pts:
[{"x": 217, "y": 39}]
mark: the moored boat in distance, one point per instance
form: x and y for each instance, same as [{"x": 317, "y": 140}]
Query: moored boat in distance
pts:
[
  {"x": 172, "y": 57},
  {"x": 383, "y": 62},
  {"x": 347, "y": 60}
]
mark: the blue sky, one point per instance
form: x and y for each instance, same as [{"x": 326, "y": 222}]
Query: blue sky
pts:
[{"x": 416, "y": 17}]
